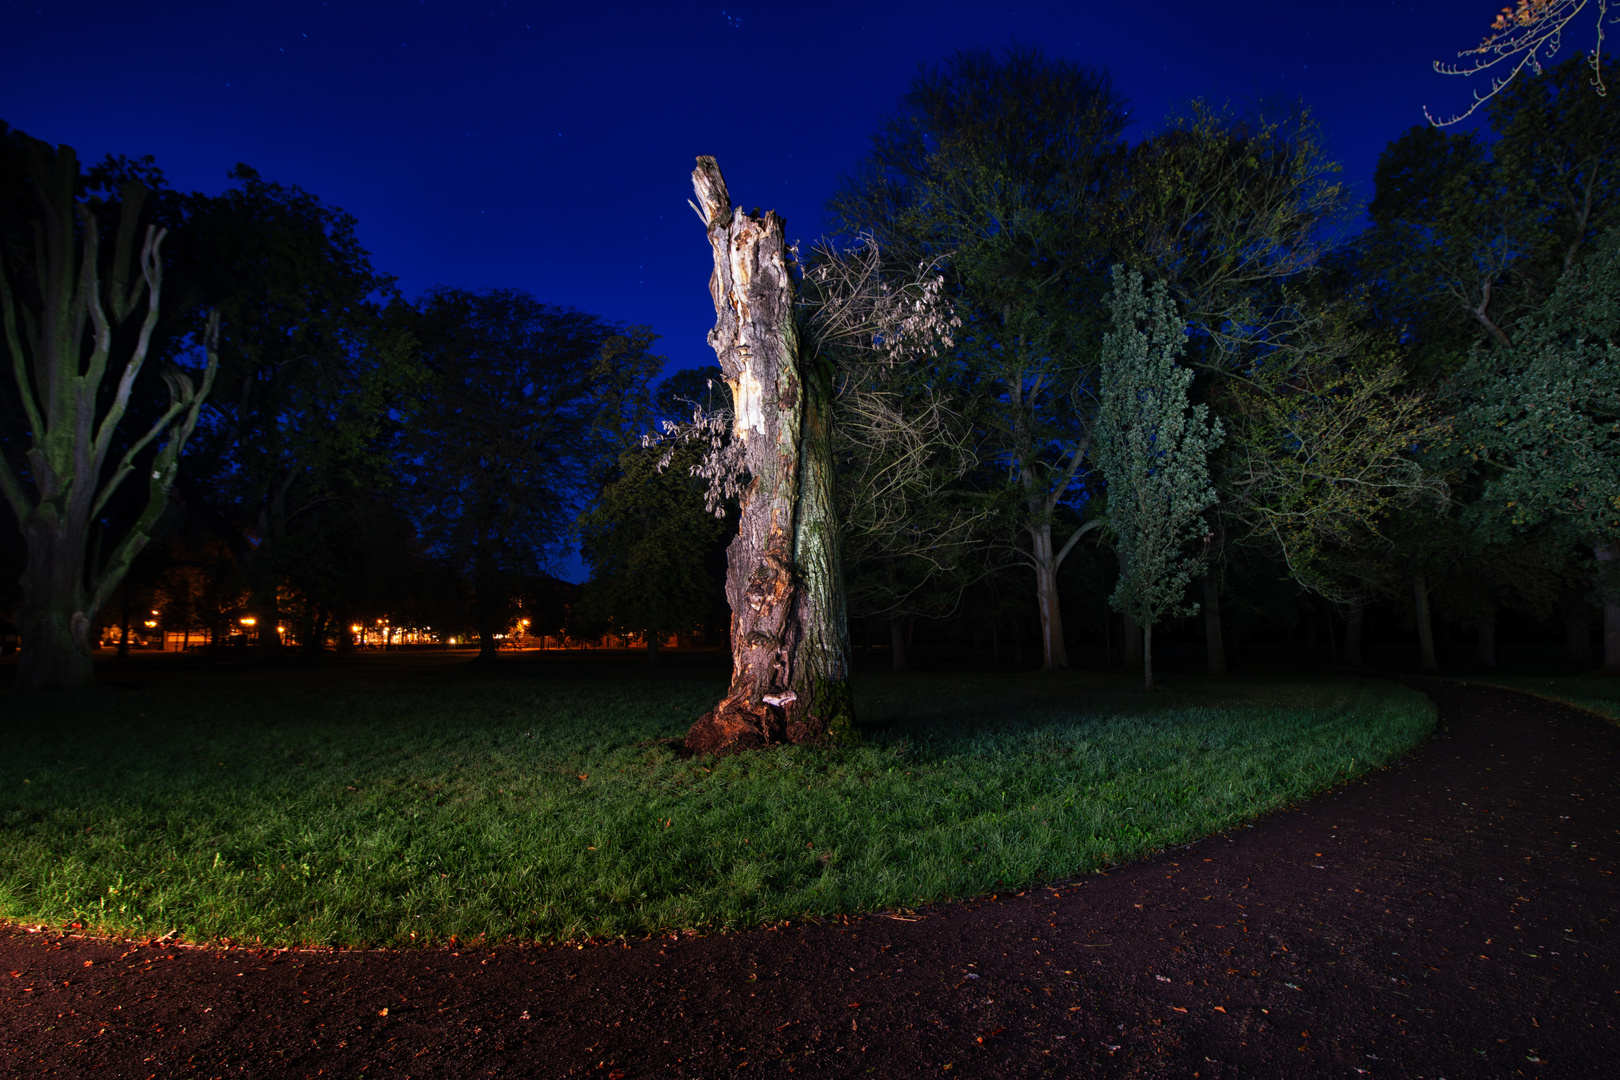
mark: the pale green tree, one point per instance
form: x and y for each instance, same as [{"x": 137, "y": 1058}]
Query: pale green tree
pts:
[
  {"x": 1153, "y": 447},
  {"x": 78, "y": 325}
]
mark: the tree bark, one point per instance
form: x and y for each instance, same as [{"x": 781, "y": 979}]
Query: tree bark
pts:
[
  {"x": 784, "y": 579},
  {"x": 1053, "y": 652},
  {"x": 124, "y": 616},
  {"x": 53, "y": 626},
  {"x": 1425, "y": 626},
  {"x": 1131, "y": 643},
  {"x": 1608, "y": 553},
  {"x": 1213, "y": 645},
  {"x": 72, "y": 395},
  {"x": 897, "y": 644},
  {"x": 267, "y": 607},
  {"x": 1147, "y": 656},
  {"x": 1577, "y": 627},
  {"x": 1485, "y": 650},
  {"x": 1354, "y": 619}
]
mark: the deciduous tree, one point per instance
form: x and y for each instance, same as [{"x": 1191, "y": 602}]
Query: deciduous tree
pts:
[
  {"x": 78, "y": 324},
  {"x": 1000, "y": 167},
  {"x": 1544, "y": 418},
  {"x": 525, "y": 401},
  {"x": 1521, "y": 37}
]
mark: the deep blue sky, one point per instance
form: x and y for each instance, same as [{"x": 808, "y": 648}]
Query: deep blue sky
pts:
[{"x": 548, "y": 146}]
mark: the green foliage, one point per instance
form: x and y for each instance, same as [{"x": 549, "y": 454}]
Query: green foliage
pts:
[
  {"x": 1153, "y": 449},
  {"x": 1000, "y": 166},
  {"x": 1544, "y": 416},
  {"x": 1469, "y": 237},
  {"x": 402, "y": 812},
  {"x": 1324, "y": 449},
  {"x": 653, "y": 548},
  {"x": 316, "y": 377},
  {"x": 525, "y": 403},
  {"x": 1224, "y": 209}
]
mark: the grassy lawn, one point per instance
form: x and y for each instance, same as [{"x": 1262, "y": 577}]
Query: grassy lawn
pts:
[{"x": 388, "y": 811}]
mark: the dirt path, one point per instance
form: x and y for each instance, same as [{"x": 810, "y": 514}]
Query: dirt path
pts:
[{"x": 1450, "y": 916}]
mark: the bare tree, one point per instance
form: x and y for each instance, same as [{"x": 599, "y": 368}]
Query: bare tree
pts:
[
  {"x": 1521, "y": 38},
  {"x": 900, "y": 443},
  {"x": 61, "y": 336}
]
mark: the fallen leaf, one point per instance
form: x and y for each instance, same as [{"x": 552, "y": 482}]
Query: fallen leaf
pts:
[
  {"x": 1219, "y": 1009},
  {"x": 383, "y": 1013},
  {"x": 1178, "y": 1008}
]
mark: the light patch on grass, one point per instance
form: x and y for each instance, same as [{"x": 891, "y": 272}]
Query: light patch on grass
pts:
[{"x": 390, "y": 814}]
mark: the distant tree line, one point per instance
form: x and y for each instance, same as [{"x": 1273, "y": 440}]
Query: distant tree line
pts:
[{"x": 1178, "y": 392}]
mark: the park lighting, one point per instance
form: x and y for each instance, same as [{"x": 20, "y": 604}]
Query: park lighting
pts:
[
  {"x": 356, "y": 628},
  {"x": 151, "y": 622},
  {"x": 248, "y": 620}
]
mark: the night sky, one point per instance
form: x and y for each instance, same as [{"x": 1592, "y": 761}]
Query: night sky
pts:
[{"x": 548, "y": 146}]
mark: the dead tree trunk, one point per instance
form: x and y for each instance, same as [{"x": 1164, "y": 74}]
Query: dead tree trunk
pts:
[{"x": 784, "y": 580}]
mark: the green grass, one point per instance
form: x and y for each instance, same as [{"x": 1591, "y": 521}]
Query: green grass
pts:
[
  {"x": 1591, "y": 692},
  {"x": 384, "y": 813}
]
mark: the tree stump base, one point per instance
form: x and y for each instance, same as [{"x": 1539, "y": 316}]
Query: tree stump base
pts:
[{"x": 734, "y": 726}]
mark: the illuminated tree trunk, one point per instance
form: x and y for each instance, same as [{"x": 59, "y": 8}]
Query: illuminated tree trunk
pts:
[
  {"x": 1054, "y": 654},
  {"x": 784, "y": 581},
  {"x": 72, "y": 396}
]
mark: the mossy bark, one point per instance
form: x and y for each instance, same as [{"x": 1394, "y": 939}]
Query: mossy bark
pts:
[{"x": 784, "y": 579}]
